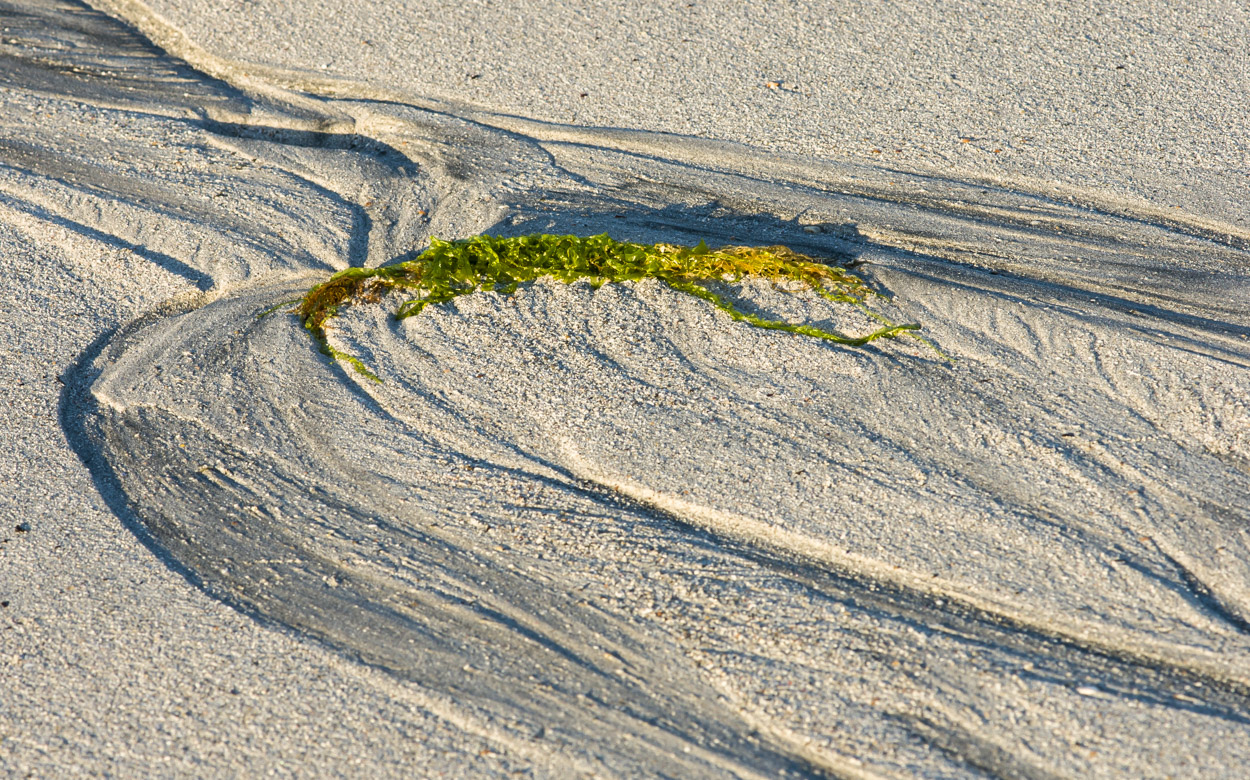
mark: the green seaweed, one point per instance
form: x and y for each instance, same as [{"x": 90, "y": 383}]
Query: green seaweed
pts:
[{"x": 449, "y": 269}]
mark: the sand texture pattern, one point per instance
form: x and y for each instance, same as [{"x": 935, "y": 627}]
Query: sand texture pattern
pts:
[{"x": 579, "y": 531}]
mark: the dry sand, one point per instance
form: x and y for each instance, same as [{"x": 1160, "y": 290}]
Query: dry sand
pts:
[{"x": 603, "y": 533}]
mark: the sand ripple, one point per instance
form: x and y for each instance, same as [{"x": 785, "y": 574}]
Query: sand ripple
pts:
[{"x": 630, "y": 535}]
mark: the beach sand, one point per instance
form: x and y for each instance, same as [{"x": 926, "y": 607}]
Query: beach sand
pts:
[{"x": 611, "y": 532}]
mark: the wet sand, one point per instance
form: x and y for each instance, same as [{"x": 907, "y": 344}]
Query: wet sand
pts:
[{"x": 612, "y": 532}]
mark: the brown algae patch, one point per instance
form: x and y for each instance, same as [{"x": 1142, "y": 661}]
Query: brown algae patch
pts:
[{"x": 449, "y": 269}]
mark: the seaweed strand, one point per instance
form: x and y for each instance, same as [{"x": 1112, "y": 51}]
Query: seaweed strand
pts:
[{"x": 449, "y": 269}]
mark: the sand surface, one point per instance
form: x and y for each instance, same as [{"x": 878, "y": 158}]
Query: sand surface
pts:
[{"x": 580, "y": 532}]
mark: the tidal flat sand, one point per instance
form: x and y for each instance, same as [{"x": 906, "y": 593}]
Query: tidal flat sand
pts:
[{"x": 612, "y": 532}]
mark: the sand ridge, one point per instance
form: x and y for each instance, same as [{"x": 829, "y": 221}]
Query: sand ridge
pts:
[{"x": 610, "y": 531}]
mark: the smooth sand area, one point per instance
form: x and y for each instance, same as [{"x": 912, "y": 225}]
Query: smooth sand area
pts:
[{"x": 611, "y": 532}]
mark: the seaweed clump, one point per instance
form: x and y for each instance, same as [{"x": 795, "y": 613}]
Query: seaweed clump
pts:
[{"x": 449, "y": 269}]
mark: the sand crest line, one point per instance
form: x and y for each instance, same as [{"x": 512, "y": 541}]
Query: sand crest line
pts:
[
  {"x": 757, "y": 533},
  {"x": 307, "y": 93},
  {"x": 254, "y": 78}
]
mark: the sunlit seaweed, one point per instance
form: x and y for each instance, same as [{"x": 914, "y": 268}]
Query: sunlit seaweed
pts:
[{"x": 449, "y": 269}]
